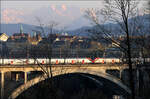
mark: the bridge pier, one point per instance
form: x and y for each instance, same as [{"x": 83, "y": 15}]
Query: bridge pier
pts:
[
  {"x": 120, "y": 75},
  {"x": 2, "y": 84},
  {"x": 137, "y": 81},
  {"x": 17, "y": 77},
  {"x": 25, "y": 77},
  {"x": 117, "y": 97}
]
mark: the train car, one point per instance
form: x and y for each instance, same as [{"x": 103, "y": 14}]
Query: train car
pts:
[
  {"x": 66, "y": 61},
  {"x": 112, "y": 60}
]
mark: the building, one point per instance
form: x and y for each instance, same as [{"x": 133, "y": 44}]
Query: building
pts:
[
  {"x": 20, "y": 36},
  {"x": 3, "y": 37},
  {"x": 35, "y": 39}
]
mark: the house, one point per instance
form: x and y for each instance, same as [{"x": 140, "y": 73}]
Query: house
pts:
[
  {"x": 52, "y": 37},
  {"x": 58, "y": 44},
  {"x": 65, "y": 37},
  {"x": 20, "y": 35},
  {"x": 3, "y": 37},
  {"x": 35, "y": 39}
]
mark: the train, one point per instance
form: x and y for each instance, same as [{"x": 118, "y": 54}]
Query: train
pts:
[{"x": 65, "y": 61}]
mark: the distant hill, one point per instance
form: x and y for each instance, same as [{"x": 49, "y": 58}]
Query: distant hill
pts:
[
  {"x": 115, "y": 28},
  {"x": 78, "y": 23},
  {"x": 83, "y": 31},
  {"x": 9, "y": 29},
  {"x": 144, "y": 23}
]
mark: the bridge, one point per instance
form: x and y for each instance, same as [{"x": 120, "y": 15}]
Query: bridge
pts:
[{"x": 89, "y": 70}]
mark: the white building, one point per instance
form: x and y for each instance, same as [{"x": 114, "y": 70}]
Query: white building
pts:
[{"x": 3, "y": 37}]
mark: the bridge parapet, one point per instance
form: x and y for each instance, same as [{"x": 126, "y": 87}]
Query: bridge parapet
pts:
[{"x": 28, "y": 68}]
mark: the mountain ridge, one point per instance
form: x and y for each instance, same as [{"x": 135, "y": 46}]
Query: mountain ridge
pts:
[{"x": 9, "y": 29}]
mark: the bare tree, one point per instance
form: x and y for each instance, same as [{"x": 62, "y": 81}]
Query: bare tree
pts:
[
  {"x": 46, "y": 49},
  {"x": 118, "y": 11}
]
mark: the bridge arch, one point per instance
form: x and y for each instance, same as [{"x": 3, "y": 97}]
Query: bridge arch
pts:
[{"x": 36, "y": 80}]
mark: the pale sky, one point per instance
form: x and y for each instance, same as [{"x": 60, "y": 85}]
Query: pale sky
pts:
[
  {"x": 64, "y": 12},
  {"x": 25, "y": 11}
]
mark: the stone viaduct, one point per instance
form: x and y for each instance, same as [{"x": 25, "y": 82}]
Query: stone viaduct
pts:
[{"x": 93, "y": 69}]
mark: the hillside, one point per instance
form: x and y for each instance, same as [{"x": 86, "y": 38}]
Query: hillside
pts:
[{"x": 9, "y": 29}]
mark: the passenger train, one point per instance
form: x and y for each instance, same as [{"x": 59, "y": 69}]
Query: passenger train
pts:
[{"x": 64, "y": 61}]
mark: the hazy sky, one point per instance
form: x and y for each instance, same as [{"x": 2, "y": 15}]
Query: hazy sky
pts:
[{"x": 65, "y": 12}]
